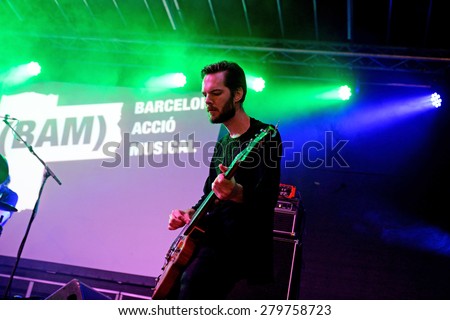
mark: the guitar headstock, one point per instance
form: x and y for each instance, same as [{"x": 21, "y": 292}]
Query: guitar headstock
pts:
[
  {"x": 256, "y": 142},
  {"x": 261, "y": 135},
  {"x": 253, "y": 144}
]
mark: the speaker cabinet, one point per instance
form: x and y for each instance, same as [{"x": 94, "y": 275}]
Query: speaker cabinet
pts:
[
  {"x": 284, "y": 223},
  {"x": 286, "y": 282},
  {"x": 287, "y": 218},
  {"x": 76, "y": 290}
]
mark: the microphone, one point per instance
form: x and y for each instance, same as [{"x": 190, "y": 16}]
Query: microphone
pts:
[{"x": 6, "y": 117}]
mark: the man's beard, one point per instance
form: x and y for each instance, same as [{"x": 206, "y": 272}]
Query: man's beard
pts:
[{"x": 228, "y": 112}]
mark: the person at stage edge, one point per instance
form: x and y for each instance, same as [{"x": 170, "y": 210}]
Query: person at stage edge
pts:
[
  {"x": 238, "y": 239},
  {"x": 8, "y": 197}
]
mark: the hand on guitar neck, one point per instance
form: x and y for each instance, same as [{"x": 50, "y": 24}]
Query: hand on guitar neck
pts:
[{"x": 223, "y": 188}]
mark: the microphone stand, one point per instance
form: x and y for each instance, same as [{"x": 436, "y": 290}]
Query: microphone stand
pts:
[{"x": 47, "y": 173}]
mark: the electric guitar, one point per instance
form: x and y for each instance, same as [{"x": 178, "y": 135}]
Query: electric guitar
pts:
[{"x": 182, "y": 248}]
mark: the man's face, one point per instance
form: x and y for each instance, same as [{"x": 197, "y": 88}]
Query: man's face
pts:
[{"x": 219, "y": 100}]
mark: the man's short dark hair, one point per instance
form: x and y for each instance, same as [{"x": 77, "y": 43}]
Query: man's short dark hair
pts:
[{"x": 234, "y": 75}]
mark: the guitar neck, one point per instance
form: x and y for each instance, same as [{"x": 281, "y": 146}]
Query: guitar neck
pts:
[{"x": 210, "y": 198}]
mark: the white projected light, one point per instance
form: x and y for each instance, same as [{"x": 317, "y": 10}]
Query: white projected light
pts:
[
  {"x": 21, "y": 73},
  {"x": 345, "y": 92},
  {"x": 33, "y": 68},
  {"x": 256, "y": 83},
  {"x": 436, "y": 100},
  {"x": 259, "y": 84},
  {"x": 166, "y": 81}
]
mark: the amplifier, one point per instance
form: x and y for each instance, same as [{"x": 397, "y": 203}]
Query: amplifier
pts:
[
  {"x": 285, "y": 217},
  {"x": 287, "y": 206}
]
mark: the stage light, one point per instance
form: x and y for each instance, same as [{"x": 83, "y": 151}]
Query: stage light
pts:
[
  {"x": 166, "y": 81},
  {"x": 179, "y": 80},
  {"x": 345, "y": 92},
  {"x": 256, "y": 83},
  {"x": 436, "y": 100},
  {"x": 334, "y": 92},
  {"x": 21, "y": 73},
  {"x": 33, "y": 68}
]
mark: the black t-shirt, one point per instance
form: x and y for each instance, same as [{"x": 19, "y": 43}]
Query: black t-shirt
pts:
[{"x": 244, "y": 231}]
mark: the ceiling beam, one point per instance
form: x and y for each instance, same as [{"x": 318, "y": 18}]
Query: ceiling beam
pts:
[
  {"x": 268, "y": 51},
  {"x": 280, "y": 18},
  {"x": 169, "y": 15},
  {"x": 119, "y": 12},
  {"x": 247, "y": 20},
  {"x": 213, "y": 15},
  {"x": 150, "y": 13}
]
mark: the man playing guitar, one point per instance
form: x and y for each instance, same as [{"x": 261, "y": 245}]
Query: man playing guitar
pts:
[{"x": 236, "y": 232}]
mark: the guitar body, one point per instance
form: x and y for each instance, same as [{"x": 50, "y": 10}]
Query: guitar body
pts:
[{"x": 176, "y": 260}]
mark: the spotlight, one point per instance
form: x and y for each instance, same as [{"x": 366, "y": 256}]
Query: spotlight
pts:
[
  {"x": 179, "y": 80},
  {"x": 256, "y": 83},
  {"x": 33, "y": 68},
  {"x": 166, "y": 81},
  {"x": 21, "y": 73},
  {"x": 259, "y": 84},
  {"x": 436, "y": 100},
  {"x": 345, "y": 92}
]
